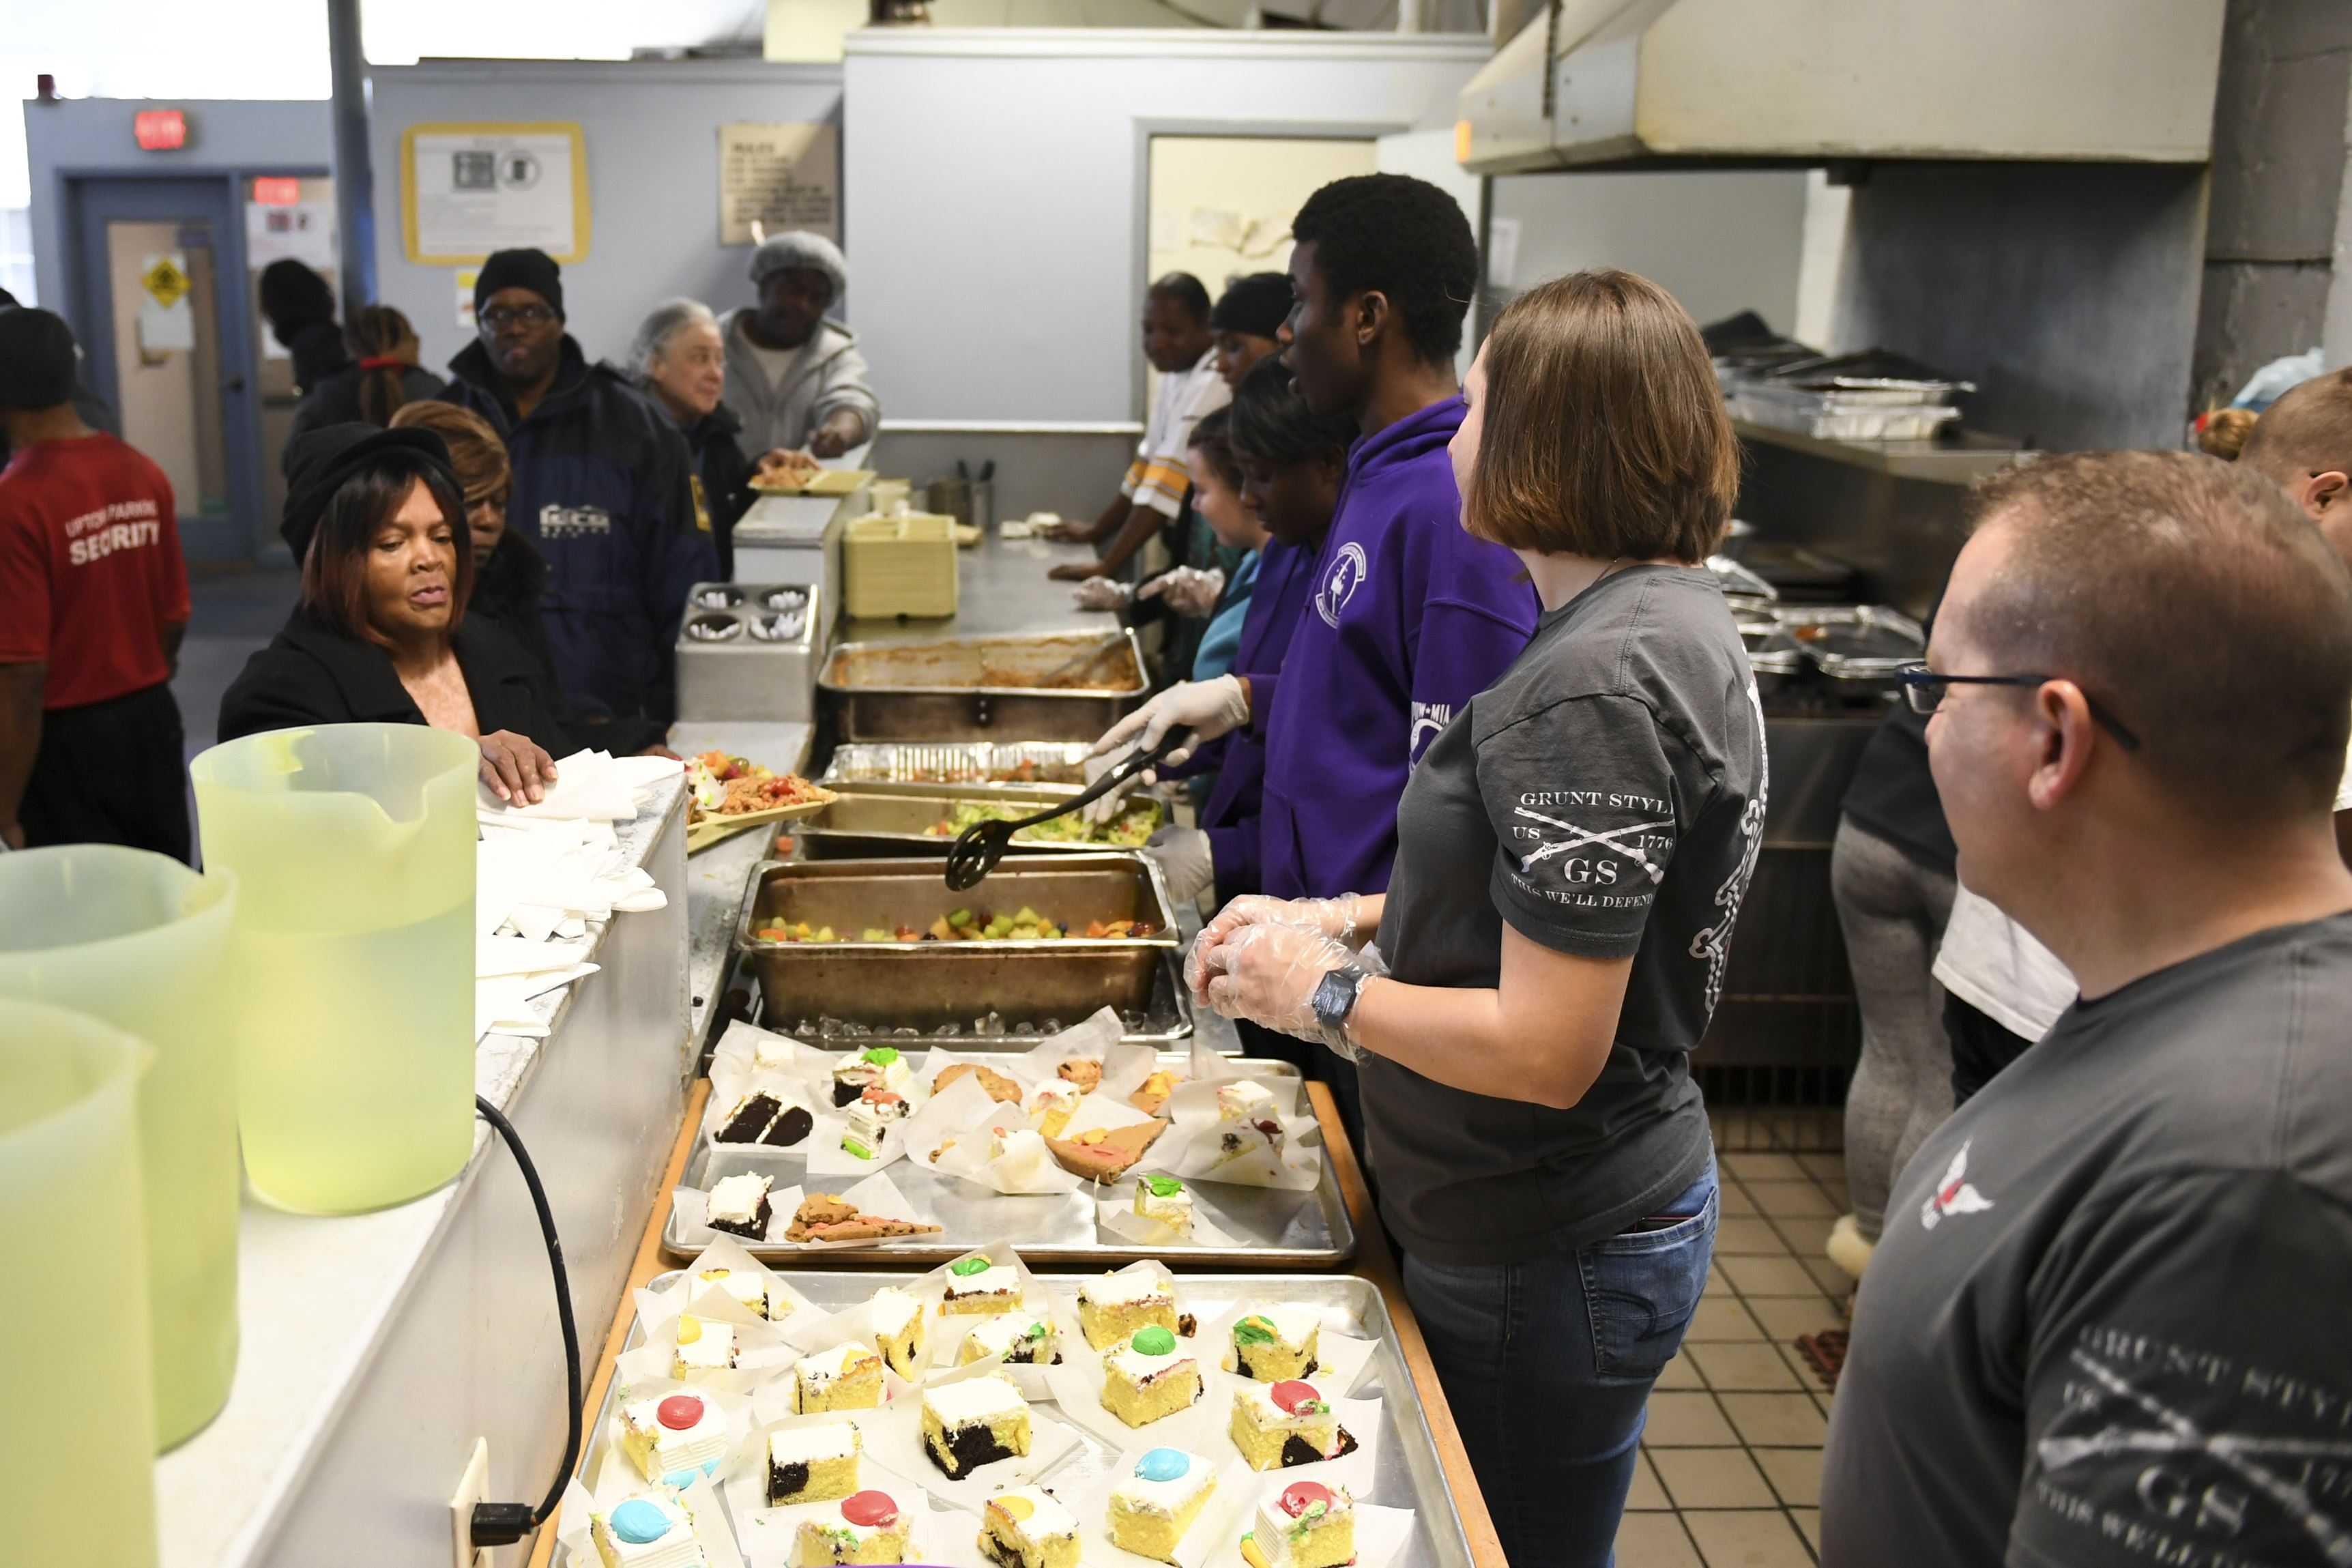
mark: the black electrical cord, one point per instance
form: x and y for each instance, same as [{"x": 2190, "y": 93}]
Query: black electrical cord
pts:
[{"x": 503, "y": 1523}]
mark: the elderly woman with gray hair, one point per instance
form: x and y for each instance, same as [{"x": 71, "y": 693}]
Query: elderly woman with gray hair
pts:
[
  {"x": 677, "y": 358},
  {"x": 794, "y": 376}
]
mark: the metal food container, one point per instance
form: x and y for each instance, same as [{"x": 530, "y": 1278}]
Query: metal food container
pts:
[
  {"x": 1270, "y": 1228},
  {"x": 1408, "y": 1472},
  {"x": 748, "y": 651},
  {"x": 926, "y": 985},
  {"x": 1164, "y": 1022},
  {"x": 862, "y": 823},
  {"x": 974, "y": 688},
  {"x": 921, "y": 767},
  {"x": 1859, "y": 646},
  {"x": 1775, "y": 656}
]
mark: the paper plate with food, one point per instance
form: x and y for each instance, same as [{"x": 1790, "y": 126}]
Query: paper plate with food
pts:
[{"x": 727, "y": 795}]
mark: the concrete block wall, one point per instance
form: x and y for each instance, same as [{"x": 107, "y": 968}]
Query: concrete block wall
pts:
[{"x": 2279, "y": 184}]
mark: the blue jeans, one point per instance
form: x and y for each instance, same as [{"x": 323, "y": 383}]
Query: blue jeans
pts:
[{"x": 1547, "y": 1366}]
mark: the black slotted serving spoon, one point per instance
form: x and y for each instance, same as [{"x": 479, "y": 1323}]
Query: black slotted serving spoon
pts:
[{"x": 979, "y": 848}]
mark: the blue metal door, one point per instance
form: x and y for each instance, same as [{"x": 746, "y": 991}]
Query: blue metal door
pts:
[{"x": 182, "y": 382}]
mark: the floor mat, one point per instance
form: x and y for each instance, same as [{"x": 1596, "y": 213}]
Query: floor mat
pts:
[{"x": 1825, "y": 1354}]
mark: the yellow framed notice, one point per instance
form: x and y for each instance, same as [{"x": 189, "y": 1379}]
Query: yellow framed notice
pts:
[{"x": 470, "y": 187}]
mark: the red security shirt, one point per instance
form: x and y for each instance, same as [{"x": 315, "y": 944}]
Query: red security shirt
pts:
[{"x": 89, "y": 568}]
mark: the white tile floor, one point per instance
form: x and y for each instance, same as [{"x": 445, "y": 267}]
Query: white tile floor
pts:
[{"x": 1731, "y": 1459}]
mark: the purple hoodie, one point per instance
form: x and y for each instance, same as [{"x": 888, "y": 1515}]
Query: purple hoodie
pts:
[{"x": 1407, "y": 619}]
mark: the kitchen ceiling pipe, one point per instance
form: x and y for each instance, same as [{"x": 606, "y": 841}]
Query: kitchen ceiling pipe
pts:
[{"x": 354, "y": 183}]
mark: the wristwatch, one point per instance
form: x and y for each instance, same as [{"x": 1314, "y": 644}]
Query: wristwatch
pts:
[{"x": 1335, "y": 999}]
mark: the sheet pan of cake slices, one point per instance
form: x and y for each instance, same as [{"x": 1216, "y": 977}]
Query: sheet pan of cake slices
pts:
[
  {"x": 1405, "y": 1511},
  {"x": 1281, "y": 1209}
]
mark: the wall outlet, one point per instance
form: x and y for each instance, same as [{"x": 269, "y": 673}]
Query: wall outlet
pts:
[{"x": 473, "y": 1487}]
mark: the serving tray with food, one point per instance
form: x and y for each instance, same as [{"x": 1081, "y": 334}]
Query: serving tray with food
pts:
[
  {"x": 928, "y": 982},
  {"x": 980, "y": 1413},
  {"x": 727, "y": 794},
  {"x": 864, "y": 822},
  {"x": 1080, "y": 1147}
]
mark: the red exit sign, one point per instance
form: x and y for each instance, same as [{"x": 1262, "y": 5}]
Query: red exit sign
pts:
[
  {"x": 159, "y": 130},
  {"x": 276, "y": 191}
]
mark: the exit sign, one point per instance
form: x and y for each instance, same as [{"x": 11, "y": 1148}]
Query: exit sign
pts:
[
  {"x": 276, "y": 191},
  {"x": 159, "y": 130}
]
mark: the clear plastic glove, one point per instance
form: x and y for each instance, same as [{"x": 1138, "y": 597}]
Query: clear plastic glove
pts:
[
  {"x": 1187, "y": 590},
  {"x": 1102, "y": 593},
  {"x": 1267, "y": 974},
  {"x": 1208, "y": 708},
  {"x": 1185, "y": 861},
  {"x": 1339, "y": 919}
]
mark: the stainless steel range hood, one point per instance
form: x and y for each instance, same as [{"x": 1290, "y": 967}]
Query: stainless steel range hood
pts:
[{"x": 1633, "y": 83}]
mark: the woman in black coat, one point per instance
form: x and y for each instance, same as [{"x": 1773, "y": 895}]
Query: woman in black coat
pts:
[{"x": 380, "y": 636}]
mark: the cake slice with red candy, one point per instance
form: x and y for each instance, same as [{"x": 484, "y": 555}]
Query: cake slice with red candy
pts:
[
  {"x": 867, "y": 1527},
  {"x": 1307, "y": 1525}
]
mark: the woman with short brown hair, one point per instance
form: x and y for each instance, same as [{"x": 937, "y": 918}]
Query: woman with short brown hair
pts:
[{"x": 1571, "y": 854}]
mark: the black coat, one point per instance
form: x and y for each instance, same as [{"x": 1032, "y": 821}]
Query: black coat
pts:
[
  {"x": 723, "y": 475},
  {"x": 312, "y": 673},
  {"x": 602, "y": 486},
  {"x": 507, "y": 589},
  {"x": 317, "y": 352},
  {"x": 336, "y": 401}
]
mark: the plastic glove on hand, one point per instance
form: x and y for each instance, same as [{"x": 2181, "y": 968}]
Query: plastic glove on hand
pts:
[
  {"x": 1185, "y": 861},
  {"x": 1267, "y": 974},
  {"x": 1102, "y": 593},
  {"x": 1335, "y": 918},
  {"x": 1104, "y": 812},
  {"x": 1187, "y": 590},
  {"x": 1208, "y": 708}
]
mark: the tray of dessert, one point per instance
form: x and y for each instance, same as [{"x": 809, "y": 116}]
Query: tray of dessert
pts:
[
  {"x": 983, "y": 1416},
  {"x": 883, "y": 941},
  {"x": 1082, "y": 1148}
]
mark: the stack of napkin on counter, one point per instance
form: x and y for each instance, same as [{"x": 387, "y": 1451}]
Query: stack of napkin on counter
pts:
[{"x": 543, "y": 872}]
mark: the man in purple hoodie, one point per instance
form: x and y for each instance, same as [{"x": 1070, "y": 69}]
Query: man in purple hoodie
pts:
[{"x": 1409, "y": 617}]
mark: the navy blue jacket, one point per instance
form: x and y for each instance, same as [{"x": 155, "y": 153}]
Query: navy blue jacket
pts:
[{"x": 602, "y": 486}]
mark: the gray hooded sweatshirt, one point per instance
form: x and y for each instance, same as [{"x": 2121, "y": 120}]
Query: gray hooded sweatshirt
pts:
[{"x": 826, "y": 375}]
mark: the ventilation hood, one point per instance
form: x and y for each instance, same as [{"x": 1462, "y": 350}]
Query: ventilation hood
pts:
[{"x": 1637, "y": 83}]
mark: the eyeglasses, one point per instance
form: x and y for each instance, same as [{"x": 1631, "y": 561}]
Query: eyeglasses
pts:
[
  {"x": 1924, "y": 689},
  {"x": 498, "y": 318}
]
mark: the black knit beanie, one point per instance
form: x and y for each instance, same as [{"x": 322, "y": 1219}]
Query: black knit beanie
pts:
[{"x": 532, "y": 270}]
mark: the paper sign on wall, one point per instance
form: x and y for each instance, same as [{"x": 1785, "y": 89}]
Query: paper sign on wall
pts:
[
  {"x": 465, "y": 275},
  {"x": 299, "y": 231},
  {"x": 166, "y": 319},
  {"x": 783, "y": 176},
  {"x": 467, "y": 190}
]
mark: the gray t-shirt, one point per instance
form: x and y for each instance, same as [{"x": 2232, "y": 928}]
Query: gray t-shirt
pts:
[
  {"x": 2110, "y": 1319},
  {"x": 1606, "y": 797}
]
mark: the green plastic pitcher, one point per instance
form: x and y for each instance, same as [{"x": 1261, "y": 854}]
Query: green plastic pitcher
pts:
[
  {"x": 79, "y": 1452},
  {"x": 353, "y": 960},
  {"x": 138, "y": 940}
]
